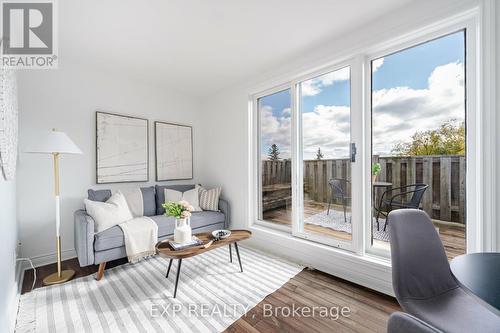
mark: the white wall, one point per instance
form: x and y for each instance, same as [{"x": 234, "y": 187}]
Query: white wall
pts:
[
  {"x": 67, "y": 99},
  {"x": 226, "y": 154},
  {"x": 8, "y": 239},
  {"x": 497, "y": 54}
]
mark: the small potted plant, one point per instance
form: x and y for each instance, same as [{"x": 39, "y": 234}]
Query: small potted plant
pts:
[
  {"x": 182, "y": 212},
  {"x": 375, "y": 171}
]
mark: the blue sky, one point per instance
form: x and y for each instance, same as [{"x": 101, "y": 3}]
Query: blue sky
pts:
[
  {"x": 414, "y": 89},
  {"x": 278, "y": 102},
  {"x": 336, "y": 94},
  {"x": 412, "y": 67}
]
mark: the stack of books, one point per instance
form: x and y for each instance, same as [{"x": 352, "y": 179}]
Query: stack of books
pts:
[{"x": 195, "y": 241}]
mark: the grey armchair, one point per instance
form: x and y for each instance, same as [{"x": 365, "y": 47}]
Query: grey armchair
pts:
[
  {"x": 400, "y": 322},
  {"x": 422, "y": 280}
]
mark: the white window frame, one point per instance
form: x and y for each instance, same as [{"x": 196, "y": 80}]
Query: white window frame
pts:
[
  {"x": 298, "y": 165},
  {"x": 476, "y": 123},
  {"x": 256, "y": 160},
  {"x": 473, "y": 124}
]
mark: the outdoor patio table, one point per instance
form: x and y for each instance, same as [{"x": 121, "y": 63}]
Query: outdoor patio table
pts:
[{"x": 479, "y": 275}]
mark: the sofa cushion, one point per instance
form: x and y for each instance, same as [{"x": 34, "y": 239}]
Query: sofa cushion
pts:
[
  {"x": 160, "y": 195},
  {"x": 192, "y": 196},
  {"x": 149, "y": 199},
  {"x": 99, "y": 195},
  {"x": 113, "y": 237},
  {"x": 110, "y": 213},
  {"x": 209, "y": 199},
  {"x": 147, "y": 193}
]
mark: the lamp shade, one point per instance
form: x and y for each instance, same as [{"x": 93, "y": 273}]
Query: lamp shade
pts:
[{"x": 54, "y": 142}]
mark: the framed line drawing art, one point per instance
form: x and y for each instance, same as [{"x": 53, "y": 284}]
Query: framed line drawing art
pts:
[
  {"x": 173, "y": 151},
  {"x": 122, "y": 148}
]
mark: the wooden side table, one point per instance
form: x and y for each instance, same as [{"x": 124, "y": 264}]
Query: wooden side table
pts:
[{"x": 163, "y": 249}]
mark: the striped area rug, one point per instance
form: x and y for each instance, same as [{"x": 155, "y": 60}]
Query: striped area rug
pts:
[{"x": 212, "y": 294}]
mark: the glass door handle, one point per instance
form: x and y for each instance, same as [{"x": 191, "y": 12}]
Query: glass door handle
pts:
[{"x": 353, "y": 152}]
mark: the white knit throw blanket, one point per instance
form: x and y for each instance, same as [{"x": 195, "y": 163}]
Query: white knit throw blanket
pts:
[{"x": 141, "y": 236}]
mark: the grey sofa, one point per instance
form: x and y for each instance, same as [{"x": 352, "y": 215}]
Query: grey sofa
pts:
[{"x": 98, "y": 248}]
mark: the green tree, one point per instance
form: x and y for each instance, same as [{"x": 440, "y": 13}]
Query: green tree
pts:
[
  {"x": 319, "y": 154},
  {"x": 448, "y": 139},
  {"x": 273, "y": 153}
]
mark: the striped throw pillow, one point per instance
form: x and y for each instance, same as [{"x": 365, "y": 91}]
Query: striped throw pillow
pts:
[{"x": 209, "y": 199}]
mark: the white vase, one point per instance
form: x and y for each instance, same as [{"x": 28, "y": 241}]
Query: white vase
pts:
[{"x": 182, "y": 232}]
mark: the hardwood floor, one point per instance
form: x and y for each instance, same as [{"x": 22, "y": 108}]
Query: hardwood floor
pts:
[
  {"x": 368, "y": 310},
  {"x": 43, "y": 271},
  {"x": 452, "y": 236}
]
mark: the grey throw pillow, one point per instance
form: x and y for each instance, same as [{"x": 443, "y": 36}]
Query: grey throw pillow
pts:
[{"x": 99, "y": 195}]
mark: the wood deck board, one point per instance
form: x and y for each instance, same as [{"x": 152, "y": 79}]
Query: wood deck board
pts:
[{"x": 453, "y": 237}]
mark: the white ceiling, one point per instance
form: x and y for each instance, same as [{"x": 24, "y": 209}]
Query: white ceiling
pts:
[{"x": 202, "y": 46}]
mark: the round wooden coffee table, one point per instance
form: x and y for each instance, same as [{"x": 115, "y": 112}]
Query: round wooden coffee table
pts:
[{"x": 163, "y": 249}]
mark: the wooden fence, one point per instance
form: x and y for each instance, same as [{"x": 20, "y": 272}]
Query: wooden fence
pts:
[{"x": 445, "y": 175}]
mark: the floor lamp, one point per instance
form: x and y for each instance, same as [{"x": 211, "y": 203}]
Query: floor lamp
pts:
[{"x": 56, "y": 143}]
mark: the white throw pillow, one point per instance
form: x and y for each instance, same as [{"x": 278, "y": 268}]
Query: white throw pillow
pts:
[
  {"x": 191, "y": 196},
  {"x": 110, "y": 213},
  {"x": 209, "y": 199}
]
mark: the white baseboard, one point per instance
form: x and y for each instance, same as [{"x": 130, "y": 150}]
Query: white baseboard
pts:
[
  {"x": 50, "y": 258},
  {"x": 371, "y": 273}
]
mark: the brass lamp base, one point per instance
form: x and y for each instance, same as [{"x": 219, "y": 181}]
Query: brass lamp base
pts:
[{"x": 54, "y": 278}]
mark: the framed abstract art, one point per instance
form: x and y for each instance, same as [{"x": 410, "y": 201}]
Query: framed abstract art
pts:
[
  {"x": 173, "y": 151},
  {"x": 122, "y": 148}
]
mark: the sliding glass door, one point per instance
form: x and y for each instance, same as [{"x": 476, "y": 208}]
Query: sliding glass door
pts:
[
  {"x": 275, "y": 168},
  {"x": 325, "y": 188},
  {"x": 342, "y": 147},
  {"x": 419, "y": 138}
]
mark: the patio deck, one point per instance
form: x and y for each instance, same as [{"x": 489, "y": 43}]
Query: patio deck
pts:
[{"x": 452, "y": 236}]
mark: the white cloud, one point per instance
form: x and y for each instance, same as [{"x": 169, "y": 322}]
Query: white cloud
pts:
[
  {"x": 328, "y": 128},
  {"x": 314, "y": 86},
  {"x": 276, "y": 130},
  {"x": 377, "y": 63},
  {"x": 309, "y": 88},
  {"x": 399, "y": 112}
]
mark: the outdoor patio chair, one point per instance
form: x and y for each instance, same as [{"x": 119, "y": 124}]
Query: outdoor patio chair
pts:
[
  {"x": 422, "y": 280},
  {"x": 340, "y": 188},
  {"x": 395, "y": 198}
]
